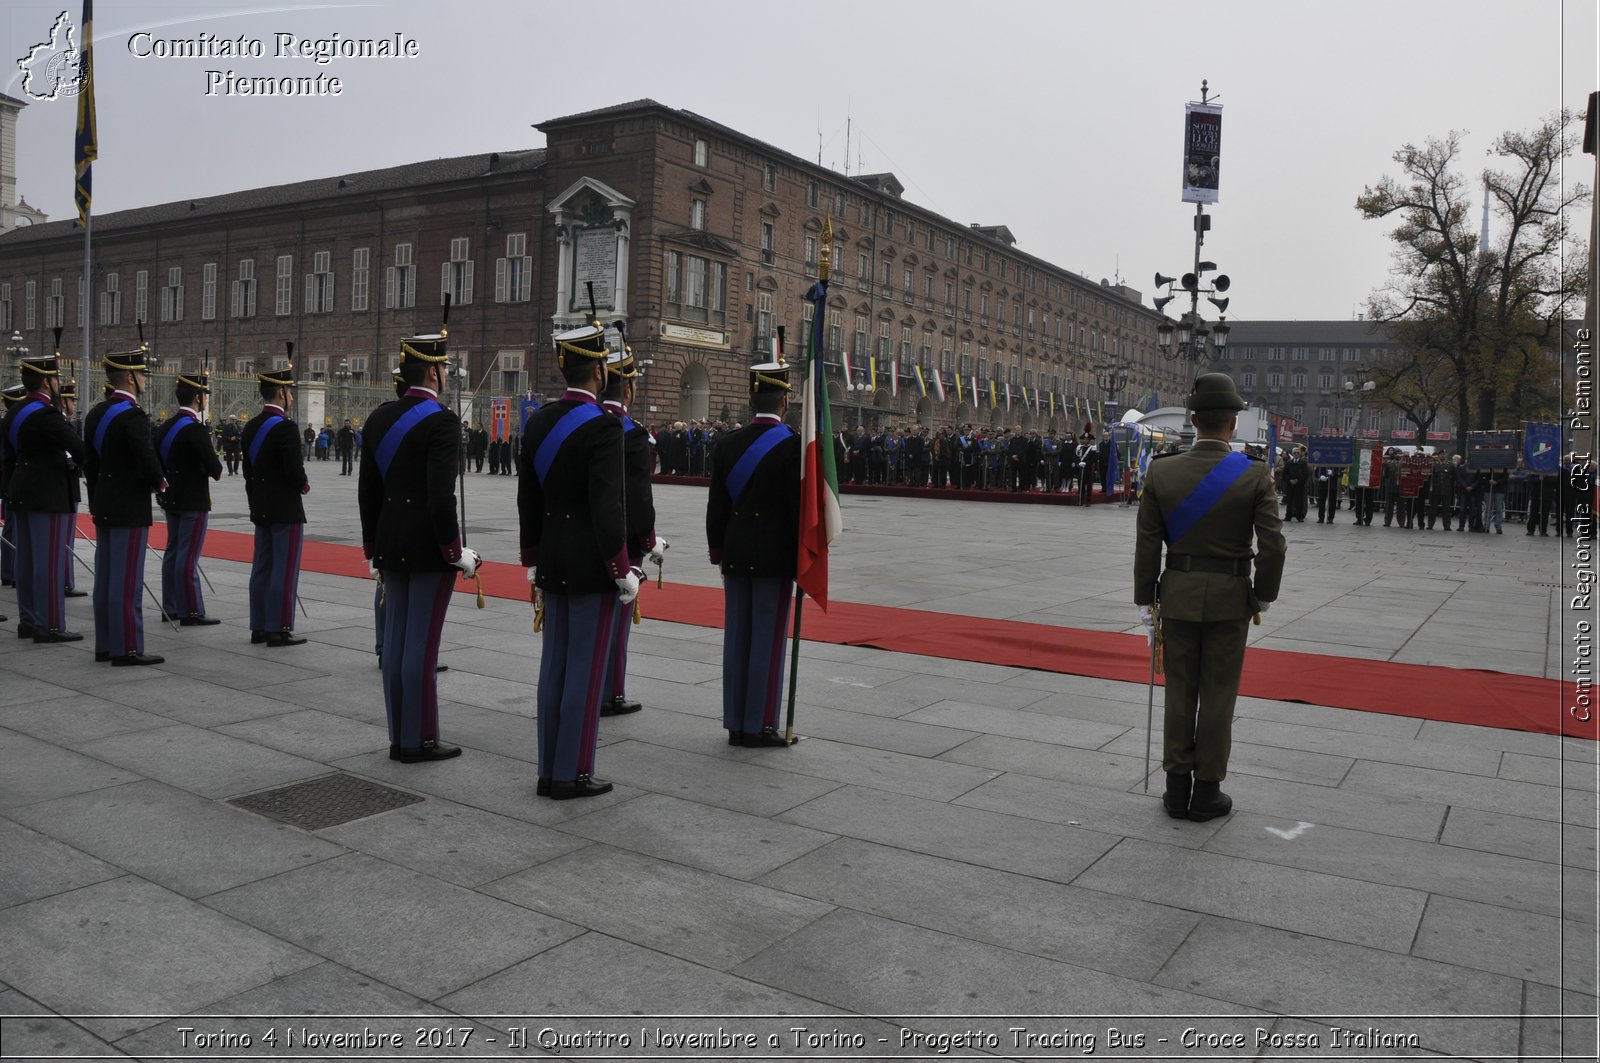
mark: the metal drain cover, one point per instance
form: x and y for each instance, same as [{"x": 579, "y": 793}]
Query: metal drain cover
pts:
[{"x": 325, "y": 802}]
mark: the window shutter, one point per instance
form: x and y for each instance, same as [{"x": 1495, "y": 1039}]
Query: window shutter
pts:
[
  {"x": 311, "y": 304},
  {"x": 500, "y": 280},
  {"x": 525, "y": 282},
  {"x": 466, "y": 283},
  {"x": 444, "y": 280}
]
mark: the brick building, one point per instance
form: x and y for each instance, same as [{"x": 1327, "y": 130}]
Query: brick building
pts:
[{"x": 702, "y": 238}]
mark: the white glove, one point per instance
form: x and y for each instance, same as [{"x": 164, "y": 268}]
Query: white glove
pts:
[
  {"x": 533, "y": 574},
  {"x": 627, "y": 587},
  {"x": 658, "y": 552},
  {"x": 468, "y": 562},
  {"x": 1262, "y": 607},
  {"x": 1147, "y": 617},
  {"x": 372, "y": 570}
]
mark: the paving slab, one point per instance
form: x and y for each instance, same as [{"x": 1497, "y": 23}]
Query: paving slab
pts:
[
  {"x": 39, "y": 771},
  {"x": 51, "y": 1037},
  {"x": 1289, "y": 899},
  {"x": 73, "y": 719},
  {"x": 1043, "y": 760},
  {"x": 723, "y": 781},
  {"x": 1562, "y": 1025},
  {"x": 1105, "y": 814},
  {"x": 130, "y": 948},
  {"x": 312, "y": 734},
  {"x": 881, "y": 769},
  {"x": 37, "y": 865},
  {"x": 1249, "y": 758},
  {"x": 1035, "y": 916},
  {"x": 713, "y": 839},
  {"x": 1538, "y": 948},
  {"x": 1012, "y": 723},
  {"x": 706, "y": 918},
  {"x": 203, "y": 761},
  {"x": 1454, "y": 788},
  {"x": 1519, "y": 836},
  {"x": 371, "y": 916},
  {"x": 1297, "y": 974}
]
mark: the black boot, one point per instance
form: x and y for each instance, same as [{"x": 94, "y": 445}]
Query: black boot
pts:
[
  {"x": 1208, "y": 801},
  {"x": 1176, "y": 799}
]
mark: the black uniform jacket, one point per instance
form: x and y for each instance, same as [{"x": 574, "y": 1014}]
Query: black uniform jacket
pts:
[
  {"x": 573, "y": 526},
  {"x": 408, "y": 518},
  {"x": 190, "y": 460},
  {"x": 759, "y": 534},
  {"x": 640, "y": 501},
  {"x": 273, "y": 482},
  {"x": 123, "y": 470},
  {"x": 42, "y": 468}
]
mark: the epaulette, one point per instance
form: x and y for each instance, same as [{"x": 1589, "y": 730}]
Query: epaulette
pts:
[{"x": 1165, "y": 454}]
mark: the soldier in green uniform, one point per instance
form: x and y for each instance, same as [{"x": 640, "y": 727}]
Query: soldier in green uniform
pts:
[{"x": 1206, "y": 506}]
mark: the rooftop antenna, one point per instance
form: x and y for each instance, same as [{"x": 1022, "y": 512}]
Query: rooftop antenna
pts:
[
  {"x": 847, "y": 136},
  {"x": 1483, "y": 234}
]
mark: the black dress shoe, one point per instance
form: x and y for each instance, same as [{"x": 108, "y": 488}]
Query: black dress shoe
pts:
[
  {"x": 542, "y": 787},
  {"x": 736, "y": 738},
  {"x": 26, "y": 631},
  {"x": 169, "y": 618},
  {"x": 101, "y": 656},
  {"x": 258, "y": 637},
  {"x": 130, "y": 660},
  {"x": 426, "y": 751},
  {"x": 53, "y": 635},
  {"x": 441, "y": 668},
  {"x": 197, "y": 621},
  {"x": 284, "y": 638},
  {"x": 617, "y": 706},
  {"x": 77, "y": 594},
  {"x": 763, "y": 738},
  {"x": 1208, "y": 801},
  {"x": 582, "y": 786},
  {"x": 394, "y": 751},
  {"x": 1176, "y": 799}
]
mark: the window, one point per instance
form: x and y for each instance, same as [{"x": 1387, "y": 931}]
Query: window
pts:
[
  {"x": 908, "y": 283},
  {"x": 697, "y": 214},
  {"x": 838, "y": 257},
  {"x": 208, "y": 292},
  {"x": 510, "y": 372},
  {"x": 838, "y": 204},
  {"x": 883, "y": 346},
  {"x": 1352, "y": 354},
  {"x": 513, "y": 275},
  {"x": 141, "y": 295},
  {"x": 1300, "y": 379},
  {"x": 863, "y": 269},
  {"x": 1325, "y": 380},
  {"x": 696, "y": 288},
  {"x": 813, "y": 194},
  {"x": 1275, "y": 379},
  {"x": 1298, "y": 411},
  {"x": 769, "y": 178},
  {"x": 702, "y": 156},
  {"x": 172, "y": 295},
  {"x": 768, "y": 253},
  {"x": 860, "y": 347},
  {"x": 1326, "y": 354},
  {"x": 866, "y": 213},
  {"x": 905, "y": 346},
  {"x": 1248, "y": 378},
  {"x": 811, "y": 256},
  {"x": 764, "y": 323},
  {"x": 360, "y": 277},
  {"x": 1300, "y": 354},
  {"x": 455, "y": 276},
  {"x": 947, "y": 359},
  {"x": 284, "y": 304},
  {"x": 835, "y": 329},
  {"x": 5, "y": 308},
  {"x": 400, "y": 286},
  {"x": 243, "y": 299},
  {"x": 55, "y": 310},
  {"x": 319, "y": 284},
  {"x": 1275, "y": 354}
]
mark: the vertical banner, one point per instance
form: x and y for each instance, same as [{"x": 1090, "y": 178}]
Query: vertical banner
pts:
[
  {"x": 500, "y": 419},
  {"x": 1202, "y": 152},
  {"x": 527, "y": 406}
]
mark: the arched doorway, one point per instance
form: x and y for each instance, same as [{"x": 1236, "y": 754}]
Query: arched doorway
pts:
[
  {"x": 925, "y": 412},
  {"x": 694, "y": 393}
]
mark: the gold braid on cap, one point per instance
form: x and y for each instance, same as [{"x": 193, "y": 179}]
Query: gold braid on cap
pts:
[
  {"x": 762, "y": 378},
  {"x": 269, "y": 378},
  {"x": 41, "y": 371},
  {"x": 564, "y": 347},
  {"x": 203, "y": 383},
  {"x": 406, "y": 348}
]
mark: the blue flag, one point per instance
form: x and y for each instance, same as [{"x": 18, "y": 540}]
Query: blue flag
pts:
[{"x": 1541, "y": 448}]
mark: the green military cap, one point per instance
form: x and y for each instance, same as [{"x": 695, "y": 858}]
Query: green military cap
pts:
[{"x": 1214, "y": 391}]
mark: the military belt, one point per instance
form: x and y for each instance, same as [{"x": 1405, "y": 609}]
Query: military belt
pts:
[{"x": 1227, "y": 566}]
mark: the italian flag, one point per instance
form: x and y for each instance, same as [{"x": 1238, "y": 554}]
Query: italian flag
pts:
[{"x": 820, "y": 517}]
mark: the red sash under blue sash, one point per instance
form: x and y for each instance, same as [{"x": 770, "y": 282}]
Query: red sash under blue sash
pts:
[
  {"x": 1205, "y": 495},
  {"x": 570, "y": 422},
  {"x": 745, "y": 467},
  {"x": 396, "y": 434}
]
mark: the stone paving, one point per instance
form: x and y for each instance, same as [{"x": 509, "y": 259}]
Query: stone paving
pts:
[{"x": 950, "y": 839}]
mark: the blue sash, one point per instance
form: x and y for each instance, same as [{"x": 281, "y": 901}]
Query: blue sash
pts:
[
  {"x": 397, "y": 432},
  {"x": 745, "y": 467},
  {"x": 1205, "y": 495},
  {"x": 179, "y": 423},
  {"x": 570, "y": 422},
  {"x": 260, "y": 439},
  {"x": 22, "y": 414},
  {"x": 628, "y": 424},
  {"x": 111, "y": 414}
]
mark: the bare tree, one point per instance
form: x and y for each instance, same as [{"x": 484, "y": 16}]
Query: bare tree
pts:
[{"x": 1478, "y": 325}]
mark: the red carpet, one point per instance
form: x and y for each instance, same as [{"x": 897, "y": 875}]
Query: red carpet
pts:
[{"x": 1453, "y": 695}]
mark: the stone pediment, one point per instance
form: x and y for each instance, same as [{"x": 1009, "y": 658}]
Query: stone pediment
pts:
[
  {"x": 812, "y": 224},
  {"x": 571, "y": 201},
  {"x": 702, "y": 187},
  {"x": 766, "y": 283},
  {"x": 701, "y": 239},
  {"x": 836, "y": 301},
  {"x": 770, "y": 209}
]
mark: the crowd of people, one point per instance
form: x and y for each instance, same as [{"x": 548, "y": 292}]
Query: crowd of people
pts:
[{"x": 1420, "y": 491}]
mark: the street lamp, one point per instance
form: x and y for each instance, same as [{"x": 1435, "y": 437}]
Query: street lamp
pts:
[
  {"x": 16, "y": 351},
  {"x": 1359, "y": 392},
  {"x": 1112, "y": 379},
  {"x": 343, "y": 375}
]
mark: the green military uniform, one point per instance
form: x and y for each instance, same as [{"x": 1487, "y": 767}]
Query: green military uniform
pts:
[{"x": 1207, "y": 596}]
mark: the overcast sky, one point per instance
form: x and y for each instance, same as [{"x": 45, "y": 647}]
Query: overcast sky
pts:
[{"x": 1060, "y": 119}]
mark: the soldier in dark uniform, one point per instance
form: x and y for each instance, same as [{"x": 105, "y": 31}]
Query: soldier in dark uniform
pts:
[
  {"x": 188, "y": 460},
  {"x": 753, "y": 530},
  {"x": 346, "y": 445},
  {"x": 409, "y": 534},
  {"x": 1206, "y": 506},
  {"x": 1441, "y": 493},
  {"x": 12, "y": 394},
  {"x": 1088, "y": 464},
  {"x": 230, "y": 445},
  {"x": 41, "y": 447},
  {"x": 121, "y": 470},
  {"x": 639, "y": 504},
  {"x": 1296, "y": 480},
  {"x": 1329, "y": 482},
  {"x": 574, "y": 542},
  {"x": 1391, "y": 487},
  {"x": 275, "y": 478}
]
